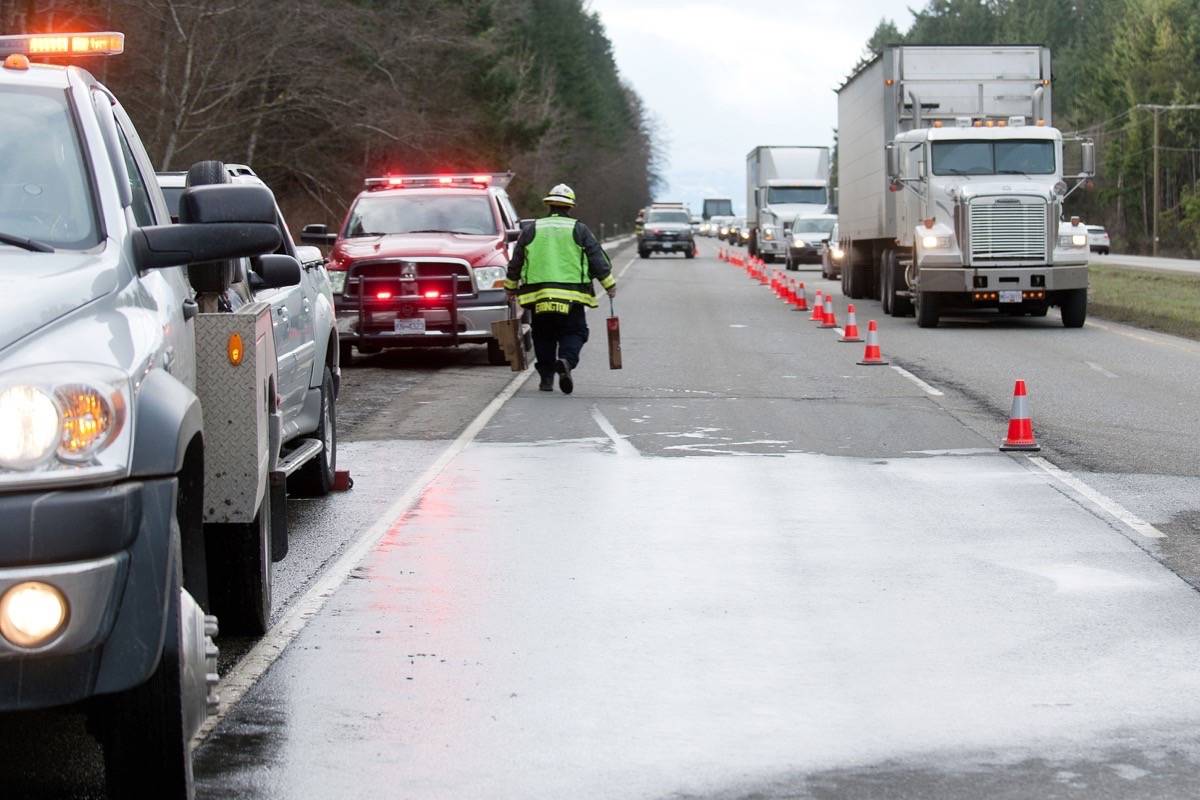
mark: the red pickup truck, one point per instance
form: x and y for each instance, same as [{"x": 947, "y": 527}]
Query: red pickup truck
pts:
[{"x": 420, "y": 261}]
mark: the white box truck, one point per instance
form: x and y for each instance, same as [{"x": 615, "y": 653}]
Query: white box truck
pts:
[
  {"x": 782, "y": 183},
  {"x": 951, "y": 185}
]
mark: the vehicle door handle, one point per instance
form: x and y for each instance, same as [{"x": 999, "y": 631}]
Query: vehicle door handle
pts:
[
  {"x": 190, "y": 309},
  {"x": 282, "y": 312}
]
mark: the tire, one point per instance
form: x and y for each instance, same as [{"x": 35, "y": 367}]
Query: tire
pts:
[
  {"x": 1074, "y": 308},
  {"x": 315, "y": 479},
  {"x": 690, "y": 254},
  {"x": 856, "y": 282},
  {"x": 886, "y": 276},
  {"x": 215, "y": 277},
  {"x": 345, "y": 354},
  {"x": 495, "y": 354},
  {"x": 239, "y": 573},
  {"x": 928, "y": 312},
  {"x": 643, "y": 253},
  {"x": 143, "y": 731}
]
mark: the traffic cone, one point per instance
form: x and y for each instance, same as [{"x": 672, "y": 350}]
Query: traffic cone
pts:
[
  {"x": 801, "y": 298},
  {"x": 789, "y": 295},
  {"x": 762, "y": 271},
  {"x": 818, "y": 310},
  {"x": 872, "y": 356},
  {"x": 829, "y": 319},
  {"x": 850, "y": 333},
  {"x": 1020, "y": 425}
]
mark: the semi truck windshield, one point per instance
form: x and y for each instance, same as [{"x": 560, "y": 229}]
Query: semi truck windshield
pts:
[
  {"x": 788, "y": 195},
  {"x": 993, "y": 158}
]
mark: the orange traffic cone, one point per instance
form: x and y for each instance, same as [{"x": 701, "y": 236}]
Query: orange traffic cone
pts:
[
  {"x": 801, "y": 297},
  {"x": 789, "y": 296},
  {"x": 818, "y": 310},
  {"x": 829, "y": 319},
  {"x": 762, "y": 271},
  {"x": 872, "y": 356},
  {"x": 850, "y": 334},
  {"x": 1020, "y": 425}
]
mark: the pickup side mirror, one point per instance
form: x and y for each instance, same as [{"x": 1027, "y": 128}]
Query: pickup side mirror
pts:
[
  {"x": 1088, "y": 168},
  {"x": 277, "y": 271},
  {"x": 224, "y": 203},
  {"x": 317, "y": 235},
  {"x": 512, "y": 235},
  {"x": 158, "y": 246}
]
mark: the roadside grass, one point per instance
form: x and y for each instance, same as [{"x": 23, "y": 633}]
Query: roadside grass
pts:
[{"x": 1161, "y": 301}]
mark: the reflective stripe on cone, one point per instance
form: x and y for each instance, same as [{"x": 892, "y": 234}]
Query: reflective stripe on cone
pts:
[
  {"x": 828, "y": 318},
  {"x": 801, "y": 297},
  {"x": 818, "y": 310}
]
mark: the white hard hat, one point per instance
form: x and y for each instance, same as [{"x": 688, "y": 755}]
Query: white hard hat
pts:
[{"x": 561, "y": 195}]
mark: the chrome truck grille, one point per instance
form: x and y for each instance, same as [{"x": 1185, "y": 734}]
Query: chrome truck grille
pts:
[{"x": 1009, "y": 229}]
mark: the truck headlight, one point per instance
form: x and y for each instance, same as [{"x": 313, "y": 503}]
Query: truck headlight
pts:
[
  {"x": 337, "y": 280},
  {"x": 63, "y": 421},
  {"x": 935, "y": 242},
  {"x": 1073, "y": 240},
  {"x": 490, "y": 277}
]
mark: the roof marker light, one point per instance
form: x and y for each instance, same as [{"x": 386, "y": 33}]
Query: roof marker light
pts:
[
  {"x": 17, "y": 61},
  {"x": 484, "y": 179}
]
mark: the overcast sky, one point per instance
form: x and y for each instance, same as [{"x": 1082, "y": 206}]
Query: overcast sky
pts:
[{"x": 724, "y": 77}]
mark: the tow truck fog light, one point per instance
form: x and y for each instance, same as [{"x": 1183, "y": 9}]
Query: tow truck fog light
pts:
[{"x": 32, "y": 613}]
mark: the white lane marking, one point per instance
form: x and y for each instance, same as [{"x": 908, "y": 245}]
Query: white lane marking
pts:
[
  {"x": 925, "y": 387},
  {"x": 620, "y": 443},
  {"x": 840, "y": 332},
  {"x": 625, "y": 268},
  {"x": 233, "y": 687},
  {"x": 1105, "y": 503},
  {"x": 1101, "y": 370}
]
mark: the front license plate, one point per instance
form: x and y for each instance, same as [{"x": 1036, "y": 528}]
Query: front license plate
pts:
[
  {"x": 410, "y": 326},
  {"x": 1011, "y": 296}
]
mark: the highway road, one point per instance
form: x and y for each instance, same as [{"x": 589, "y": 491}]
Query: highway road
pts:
[{"x": 745, "y": 566}]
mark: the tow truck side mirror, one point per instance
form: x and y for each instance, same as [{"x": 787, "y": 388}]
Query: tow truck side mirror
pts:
[
  {"x": 277, "y": 271},
  {"x": 317, "y": 235},
  {"x": 157, "y": 246},
  {"x": 512, "y": 235}
]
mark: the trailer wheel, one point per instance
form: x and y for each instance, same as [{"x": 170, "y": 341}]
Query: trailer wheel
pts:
[
  {"x": 239, "y": 573},
  {"x": 143, "y": 731},
  {"x": 315, "y": 479},
  {"x": 1074, "y": 308},
  {"x": 928, "y": 312}
]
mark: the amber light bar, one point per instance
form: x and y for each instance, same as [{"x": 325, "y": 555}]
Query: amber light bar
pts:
[{"x": 106, "y": 43}]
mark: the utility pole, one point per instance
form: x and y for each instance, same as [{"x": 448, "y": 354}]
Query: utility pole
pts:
[{"x": 1156, "y": 110}]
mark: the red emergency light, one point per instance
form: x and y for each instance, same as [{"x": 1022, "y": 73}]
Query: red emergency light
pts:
[
  {"x": 432, "y": 294},
  {"x": 465, "y": 181}
]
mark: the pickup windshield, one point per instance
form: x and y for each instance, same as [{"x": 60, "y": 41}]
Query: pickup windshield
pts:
[
  {"x": 787, "y": 195},
  {"x": 45, "y": 194},
  {"x": 680, "y": 217},
  {"x": 421, "y": 213},
  {"x": 993, "y": 158}
]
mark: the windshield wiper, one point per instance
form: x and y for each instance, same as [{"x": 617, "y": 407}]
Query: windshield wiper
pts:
[{"x": 32, "y": 245}]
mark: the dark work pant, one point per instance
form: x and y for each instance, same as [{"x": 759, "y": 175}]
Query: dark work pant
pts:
[{"x": 558, "y": 336}]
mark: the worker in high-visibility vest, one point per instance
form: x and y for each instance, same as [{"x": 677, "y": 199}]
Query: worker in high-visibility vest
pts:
[{"x": 551, "y": 272}]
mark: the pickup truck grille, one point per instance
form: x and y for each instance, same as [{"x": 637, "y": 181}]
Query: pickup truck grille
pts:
[
  {"x": 390, "y": 270},
  {"x": 1008, "y": 231}
]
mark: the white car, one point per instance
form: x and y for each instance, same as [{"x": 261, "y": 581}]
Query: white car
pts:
[
  {"x": 806, "y": 238},
  {"x": 1098, "y": 239}
]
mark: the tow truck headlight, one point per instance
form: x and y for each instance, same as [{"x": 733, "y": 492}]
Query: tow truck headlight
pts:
[
  {"x": 62, "y": 422},
  {"x": 490, "y": 277},
  {"x": 935, "y": 242}
]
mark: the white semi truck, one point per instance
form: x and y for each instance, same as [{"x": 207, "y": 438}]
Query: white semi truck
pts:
[
  {"x": 782, "y": 183},
  {"x": 951, "y": 183}
]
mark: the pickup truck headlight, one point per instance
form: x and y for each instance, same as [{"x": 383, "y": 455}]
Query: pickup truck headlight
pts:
[
  {"x": 490, "y": 277},
  {"x": 63, "y": 421}
]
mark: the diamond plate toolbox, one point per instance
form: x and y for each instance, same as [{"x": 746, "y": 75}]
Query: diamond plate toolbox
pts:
[{"x": 236, "y": 402}]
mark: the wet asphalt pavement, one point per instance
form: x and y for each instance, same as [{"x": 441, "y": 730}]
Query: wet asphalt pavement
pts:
[{"x": 745, "y": 567}]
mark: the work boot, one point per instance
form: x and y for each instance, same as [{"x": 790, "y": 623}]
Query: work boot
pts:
[
  {"x": 546, "y": 384},
  {"x": 564, "y": 377}
]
